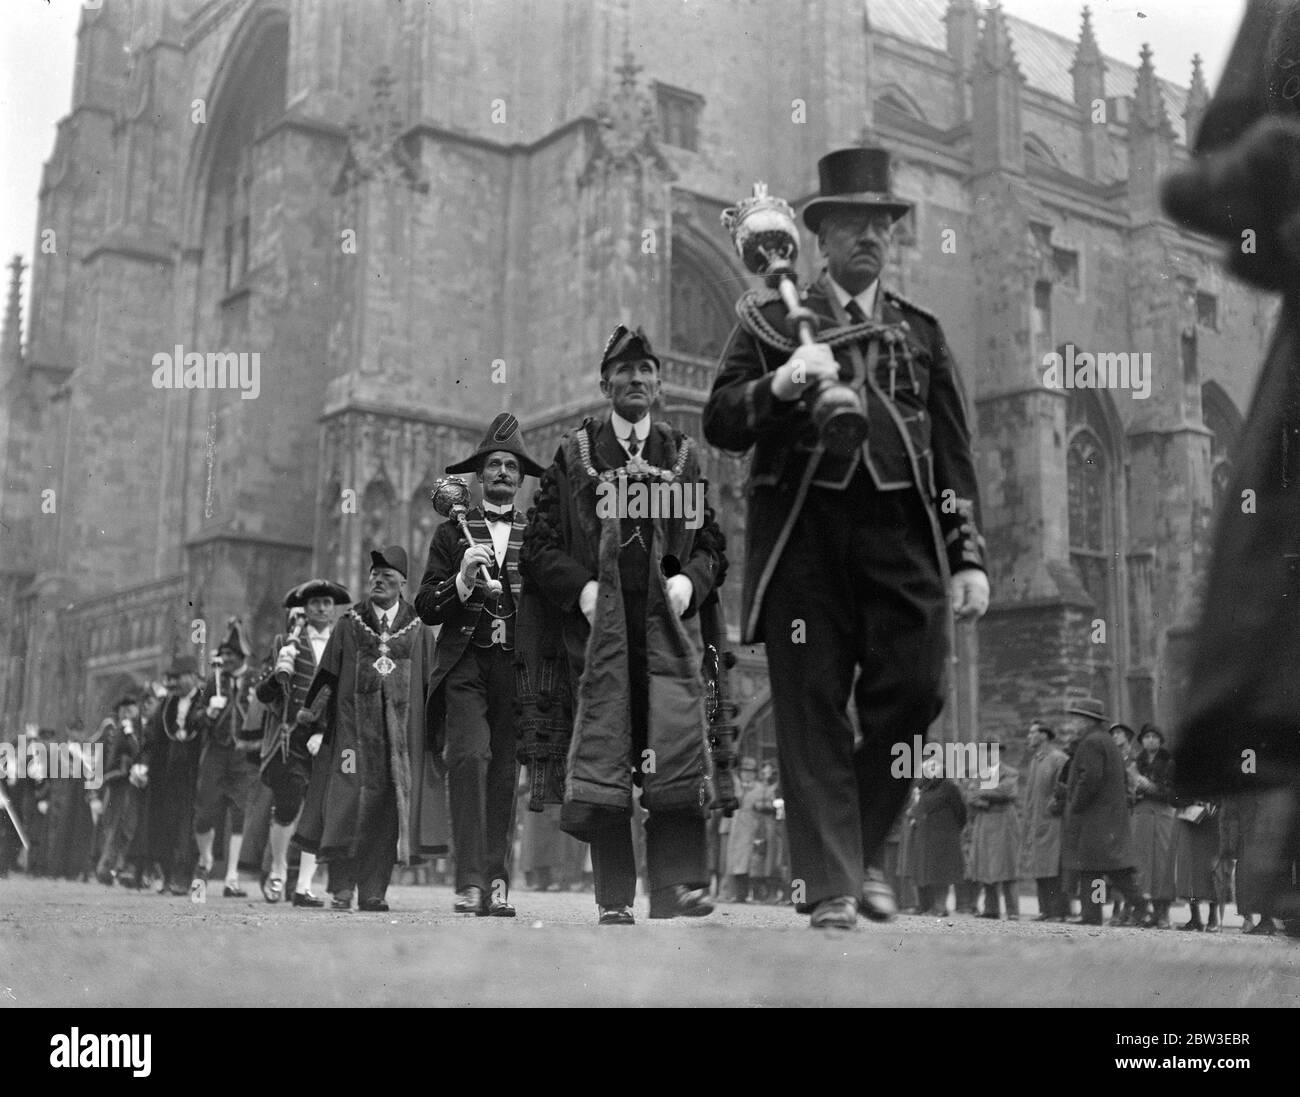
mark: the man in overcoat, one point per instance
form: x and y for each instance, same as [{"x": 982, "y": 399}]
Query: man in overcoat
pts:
[
  {"x": 1040, "y": 850},
  {"x": 370, "y": 686},
  {"x": 1095, "y": 840},
  {"x": 847, "y": 558},
  {"x": 627, "y": 576}
]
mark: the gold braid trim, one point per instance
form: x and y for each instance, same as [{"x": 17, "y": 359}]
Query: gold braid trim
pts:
[{"x": 749, "y": 313}]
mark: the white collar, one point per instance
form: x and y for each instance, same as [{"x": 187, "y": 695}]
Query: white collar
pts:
[
  {"x": 492, "y": 508},
  {"x": 622, "y": 428},
  {"x": 386, "y": 616},
  {"x": 312, "y": 630},
  {"x": 866, "y": 299}
]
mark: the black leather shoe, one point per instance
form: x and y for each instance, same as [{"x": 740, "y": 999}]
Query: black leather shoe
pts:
[
  {"x": 499, "y": 908},
  {"x": 373, "y": 905},
  {"x": 307, "y": 899},
  {"x": 617, "y": 916},
  {"x": 679, "y": 901},
  {"x": 233, "y": 892},
  {"x": 841, "y": 912},
  {"x": 877, "y": 902},
  {"x": 469, "y": 900},
  {"x": 341, "y": 904}
]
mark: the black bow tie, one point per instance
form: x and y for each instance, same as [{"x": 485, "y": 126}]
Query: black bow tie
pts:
[{"x": 502, "y": 516}]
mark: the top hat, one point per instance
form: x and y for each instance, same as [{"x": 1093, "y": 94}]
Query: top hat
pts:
[
  {"x": 394, "y": 556},
  {"x": 626, "y": 345},
  {"x": 502, "y": 434},
  {"x": 316, "y": 588},
  {"x": 182, "y": 664},
  {"x": 1086, "y": 706},
  {"x": 235, "y": 640},
  {"x": 854, "y": 177}
]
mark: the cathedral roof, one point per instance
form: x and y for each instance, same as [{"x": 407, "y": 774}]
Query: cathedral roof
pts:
[{"x": 1044, "y": 56}]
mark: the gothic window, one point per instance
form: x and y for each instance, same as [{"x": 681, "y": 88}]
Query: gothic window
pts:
[
  {"x": 1224, "y": 422},
  {"x": 254, "y": 101},
  {"x": 679, "y": 116},
  {"x": 1066, "y": 263},
  {"x": 378, "y": 504},
  {"x": 701, "y": 311},
  {"x": 1090, "y": 470},
  {"x": 1207, "y": 311},
  {"x": 424, "y": 520},
  {"x": 1041, "y": 319}
]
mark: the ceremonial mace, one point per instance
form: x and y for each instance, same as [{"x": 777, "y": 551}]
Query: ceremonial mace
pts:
[
  {"x": 766, "y": 237},
  {"x": 450, "y": 498}
]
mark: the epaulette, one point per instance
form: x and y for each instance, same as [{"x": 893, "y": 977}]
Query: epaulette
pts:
[{"x": 902, "y": 302}]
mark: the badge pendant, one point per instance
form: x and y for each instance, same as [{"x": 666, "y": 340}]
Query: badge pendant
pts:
[{"x": 384, "y": 665}]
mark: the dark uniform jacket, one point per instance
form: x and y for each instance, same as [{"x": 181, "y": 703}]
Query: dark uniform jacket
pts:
[
  {"x": 438, "y": 603},
  {"x": 918, "y": 437}
]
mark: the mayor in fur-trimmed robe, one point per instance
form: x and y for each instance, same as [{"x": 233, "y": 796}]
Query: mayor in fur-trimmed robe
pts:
[
  {"x": 373, "y": 807},
  {"x": 635, "y": 670}
]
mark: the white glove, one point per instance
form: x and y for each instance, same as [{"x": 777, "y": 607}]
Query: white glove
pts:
[
  {"x": 139, "y": 775},
  {"x": 587, "y": 600},
  {"x": 215, "y": 705},
  {"x": 680, "y": 592},
  {"x": 805, "y": 369},
  {"x": 43, "y": 806},
  {"x": 96, "y": 809},
  {"x": 313, "y": 744}
]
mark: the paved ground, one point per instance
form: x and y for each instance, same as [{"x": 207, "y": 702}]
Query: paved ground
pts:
[{"x": 64, "y": 943}]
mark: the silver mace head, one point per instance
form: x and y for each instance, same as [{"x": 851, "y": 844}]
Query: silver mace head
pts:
[
  {"x": 450, "y": 494},
  {"x": 765, "y": 234},
  {"x": 450, "y": 497}
]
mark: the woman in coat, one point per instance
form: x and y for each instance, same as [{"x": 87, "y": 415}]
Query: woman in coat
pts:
[
  {"x": 1153, "y": 824},
  {"x": 740, "y": 838},
  {"x": 935, "y": 849},
  {"x": 1196, "y": 857}
]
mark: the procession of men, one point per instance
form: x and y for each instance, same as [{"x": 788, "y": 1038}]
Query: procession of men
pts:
[{"x": 389, "y": 728}]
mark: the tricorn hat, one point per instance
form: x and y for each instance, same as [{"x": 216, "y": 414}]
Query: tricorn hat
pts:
[
  {"x": 394, "y": 556},
  {"x": 857, "y": 177},
  {"x": 316, "y": 588},
  {"x": 626, "y": 345},
  {"x": 183, "y": 664},
  {"x": 235, "y": 640},
  {"x": 1086, "y": 706},
  {"x": 502, "y": 434}
]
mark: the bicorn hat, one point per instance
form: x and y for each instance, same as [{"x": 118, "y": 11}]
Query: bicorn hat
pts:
[
  {"x": 394, "y": 556},
  {"x": 502, "y": 434},
  {"x": 1086, "y": 706},
  {"x": 854, "y": 177},
  {"x": 183, "y": 664},
  {"x": 626, "y": 345},
  {"x": 316, "y": 588},
  {"x": 235, "y": 640}
]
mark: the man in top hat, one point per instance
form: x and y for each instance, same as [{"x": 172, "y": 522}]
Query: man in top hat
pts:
[
  {"x": 1040, "y": 851},
  {"x": 471, "y": 719},
  {"x": 367, "y": 700},
  {"x": 286, "y": 760},
  {"x": 173, "y": 744},
  {"x": 850, "y": 561},
  {"x": 226, "y": 774},
  {"x": 1096, "y": 843},
  {"x": 124, "y": 780},
  {"x": 628, "y": 582}
]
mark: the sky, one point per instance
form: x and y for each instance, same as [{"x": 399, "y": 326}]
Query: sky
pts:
[{"x": 38, "y": 47}]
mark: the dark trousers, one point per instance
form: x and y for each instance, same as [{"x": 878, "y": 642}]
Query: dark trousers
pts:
[
  {"x": 1051, "y": 899},
  {"x": 1124, "y": 882},
  {"x": 370, "y": 869},
  {"x": 481, "y": 766},
  {"x": 121, "y": 817},
  {"x": 676, "y": 842},
  {"x": 857, "y": 587}
]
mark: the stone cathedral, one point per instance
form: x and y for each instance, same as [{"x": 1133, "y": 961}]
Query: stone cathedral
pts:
[{"x": 411, "y": 215}]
